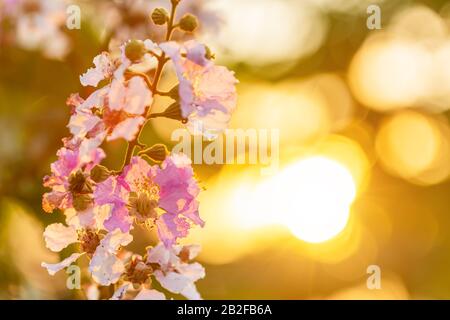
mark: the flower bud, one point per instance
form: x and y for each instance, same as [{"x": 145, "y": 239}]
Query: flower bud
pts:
[
  {"x": 135, "y": 50},
  {"x": 188, "y": 23},
  {"x": 157, "y": 152},
  {"x": 100, "y": 173},
  {"x": 81, "y": 202},
  {"x": 160, "y": 16}
]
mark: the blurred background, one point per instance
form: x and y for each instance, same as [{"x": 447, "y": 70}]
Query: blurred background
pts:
[{"x": 364, "y": 143}]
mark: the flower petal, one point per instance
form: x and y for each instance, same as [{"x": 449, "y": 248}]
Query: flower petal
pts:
[
  {"x": 114, "y": 240},
  {"x": 127, "y": 129},
  {"x": 54, "y": 268},
  {"x": 146, "y": 294},
  {"x": 57, "y": 236},
  {"x": 103, "y": 69},
  {"x": 105, "y": 267},
  {"x": 119, "y": 219},
  {"x": 171, "y": 227},
  {"x": 121, "y": 291}
]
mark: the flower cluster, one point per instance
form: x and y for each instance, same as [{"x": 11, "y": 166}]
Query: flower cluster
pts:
[
  {"x": 36, "y": 25},
  {"x": 154, "y": 188}
]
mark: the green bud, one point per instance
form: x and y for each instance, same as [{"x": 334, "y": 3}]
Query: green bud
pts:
[
  {"x": 160, "y": 16},
  {"x": 135, "y": 50},
  {"x": 188, "y": 23},
  {"x": 157, "y": 152},
  {"x": 100, "y": 173},
  {"x": 81, "y": 202}
]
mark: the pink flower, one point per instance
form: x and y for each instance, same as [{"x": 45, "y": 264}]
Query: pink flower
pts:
[
  {"x": 207, "y": 92},
  {"x": 62, "y": 180},
  {"x": 131, "y": 97},
  {"x": 111, "y": 192},
  {"x": 114, "y": 111},
  {"x": 131, "y": 194},
  {"x": 141, "y": 189},
  {"x": 178, "y": 191}
]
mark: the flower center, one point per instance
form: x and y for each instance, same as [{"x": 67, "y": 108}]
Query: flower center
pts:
[
  {"x": 144, "y": 203},
  {"x": 137, "y": 271},
  {"x": 89, "y": 241}
]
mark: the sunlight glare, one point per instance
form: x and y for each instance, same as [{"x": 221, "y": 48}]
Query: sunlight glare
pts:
[{"x": 312, "y": 198}]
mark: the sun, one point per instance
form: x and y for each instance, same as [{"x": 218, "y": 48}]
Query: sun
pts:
[
  {"x": 312, "y": 198},
  {"x": 318, "y": 193}
]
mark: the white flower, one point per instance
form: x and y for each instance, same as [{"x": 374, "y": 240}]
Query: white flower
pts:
[
  {"x": 105, "y": 267},
  {"x": 176, "y": 274}
]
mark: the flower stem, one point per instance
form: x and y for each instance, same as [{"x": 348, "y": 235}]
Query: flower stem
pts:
[{"x": 152, "y": 86}]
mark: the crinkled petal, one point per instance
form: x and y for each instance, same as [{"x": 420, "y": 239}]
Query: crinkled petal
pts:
[
  {"x": 119, "y": 219},
  {"x": 58, "y": 236},
  {"x": 55, "y": 199},
  {"x": 127, "y": 129},
  {"x": 193, "y": 271},
  {"x": 109, "y": 192},
  {"x": 96, "y": 99},
  {"x": 105, "y": 267},
  {"x": 171, "y": 228},
  {"x": 133, "y": 98},
  {"x": 163, "y": 256},
  {"x": 193, "y": 250},
  {"x": 150, "y": 294},
  {"x": 121, "y": 291},
  {"x": 136, "y": 174},
  {"x": 150, "y": 45},
  {"x": 196, "y": 52},
  {"x": 103, "y": 69},
  {"x": 92, "y": 217},
  {"x": 54, "y": 268},
  {"x": 138, "y": 96},
  {"x": 173, "y": 281},
  {"x": 114, "y": 240},
  {"x": 191, "y": 292},
  {"x": 82, "y": 122}
]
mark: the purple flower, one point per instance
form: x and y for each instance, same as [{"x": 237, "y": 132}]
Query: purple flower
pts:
[
  {"x": 70, "y": 162},
  {"x": 207, "y": 92},
  {"x": 178, "y": 191}
]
